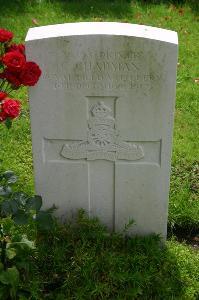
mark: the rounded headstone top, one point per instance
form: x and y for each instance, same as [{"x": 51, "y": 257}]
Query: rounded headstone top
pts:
[{"x": 102, "y": 28}]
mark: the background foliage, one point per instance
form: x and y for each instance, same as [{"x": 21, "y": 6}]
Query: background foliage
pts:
[{"x": 134, "y": 268}]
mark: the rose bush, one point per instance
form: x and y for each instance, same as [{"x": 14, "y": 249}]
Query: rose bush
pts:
[
  {"x": 17, "y": 210},
  {"x": 15, "y": 72}
]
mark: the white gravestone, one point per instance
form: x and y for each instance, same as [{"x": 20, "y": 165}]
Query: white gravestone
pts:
[{"x": 102, "y": 118}]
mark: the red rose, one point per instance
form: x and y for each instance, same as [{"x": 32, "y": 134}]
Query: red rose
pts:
[
  {"x": 5, "y": 35},
  {"x": 30, "y": 74},
  {"x": 14, "y": 47},
  {"x": 11, "y": 77},
  {"x": 14, "y": 60},
  {"x": 11, "y": 108},
  {"x": 2, "y": 95}
]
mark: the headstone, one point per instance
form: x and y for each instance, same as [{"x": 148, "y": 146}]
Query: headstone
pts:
[{"x": 102, "y": 118}]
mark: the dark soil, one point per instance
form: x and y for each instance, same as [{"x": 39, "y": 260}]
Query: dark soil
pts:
[{"x": 187, "y": 235}]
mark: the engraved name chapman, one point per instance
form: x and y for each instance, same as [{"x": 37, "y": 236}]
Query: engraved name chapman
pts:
[{"x": 103, "y": 139}]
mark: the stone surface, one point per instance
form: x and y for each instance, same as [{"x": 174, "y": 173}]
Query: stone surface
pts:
[{"x": 102, "y": 118}]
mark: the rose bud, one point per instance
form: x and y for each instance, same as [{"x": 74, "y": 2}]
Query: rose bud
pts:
[
  {"x": 5, "y": 35},
  {"x": 2, "y": 95}
]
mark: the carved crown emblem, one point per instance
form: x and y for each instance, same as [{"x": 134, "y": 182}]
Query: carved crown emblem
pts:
[
  {"x": 100, "y": 110},
  {"x": 101, "y": 115}
]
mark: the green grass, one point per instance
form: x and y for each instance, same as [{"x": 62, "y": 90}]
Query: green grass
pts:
[
  {"x": 83, "y": 261},
  {"x": 119, "y": 268}
]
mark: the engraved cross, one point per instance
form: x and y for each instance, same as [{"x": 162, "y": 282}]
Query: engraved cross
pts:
[
  {"x": 103, "y": 146},
  {"x": 102, "y": 150}
]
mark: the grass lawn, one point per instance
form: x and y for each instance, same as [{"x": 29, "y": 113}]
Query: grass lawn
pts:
[
  {"x": 84, "y": 262},
  {"x": 148, "y": 273}
]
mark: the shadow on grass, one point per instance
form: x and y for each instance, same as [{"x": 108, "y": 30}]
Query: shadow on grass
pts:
[
  {"x": 90, "y": 263},
  {"x": 98, "y": 8},
  {"x": 82, "y": 8},
  {"x": 193, "y": 4}
]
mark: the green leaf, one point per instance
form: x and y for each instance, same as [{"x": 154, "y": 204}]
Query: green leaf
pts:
[
  {"x": 44, "y": 220},
  {"x": 8, "y": 123},
  {"x": 28, "y": 243},
  {"x": 20, "y": 198},
  {"x": 34, "y": 203},
  {"x": 10, "y": 276},
  {"x": 128, "y": 225},
  {"x": 10, "y": 253},
  {"x": 7, "y": 174},
  {"x": 14, "y": 206},
  {"x": 10, "y": 176},
  {"x": 6, "y": 208},
  {"x": 23, "y": 242},
  {"x": 21, "y": 218},
  {"x": 12, "y": 179},
  {"x": 5, "y": 191},
  {"x": 9, "y": 207}
]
